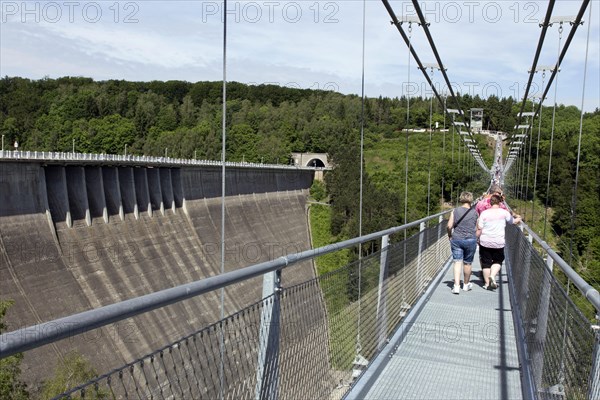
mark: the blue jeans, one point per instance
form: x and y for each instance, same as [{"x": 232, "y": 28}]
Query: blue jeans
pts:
[{"x": 463, "y": 249}]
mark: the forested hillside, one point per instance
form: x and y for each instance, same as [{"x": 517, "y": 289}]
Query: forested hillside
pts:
[
  {"x": 576, "y": 229},
  {"x": 266, "y": 123}
]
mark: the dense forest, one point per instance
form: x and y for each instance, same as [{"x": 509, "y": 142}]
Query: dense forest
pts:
[{"x": 265, "y": 123}]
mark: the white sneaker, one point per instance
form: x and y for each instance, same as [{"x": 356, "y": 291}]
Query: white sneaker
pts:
[
  {"x": 456, "y": 289},
  {"x": 467, "y": 286},
  {"x": 493, "y": 283}
]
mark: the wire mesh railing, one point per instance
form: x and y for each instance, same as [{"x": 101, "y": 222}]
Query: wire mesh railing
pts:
[
  {"x": 559, "y": 343},
  {"x": 310, "y": 339}
]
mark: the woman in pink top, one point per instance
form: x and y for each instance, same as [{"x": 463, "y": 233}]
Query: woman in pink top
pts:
[
  {"x": 484, "y": 203},
  {"x": 490, "y": 236}
]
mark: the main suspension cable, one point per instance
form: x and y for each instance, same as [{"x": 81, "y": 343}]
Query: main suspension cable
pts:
[
  {"x": 423, "y": 23},
  {"x": 425, "y": 26},
  {"x": 574, "y": 25},
  {"x": 439, "y": 60},
  {"x": 540, "y": 44}
]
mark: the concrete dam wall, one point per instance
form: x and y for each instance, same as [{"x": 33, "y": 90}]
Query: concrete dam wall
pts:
[{"x": 77, "y": 237}]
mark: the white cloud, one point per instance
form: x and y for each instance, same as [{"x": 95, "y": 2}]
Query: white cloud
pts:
[{"x": 302, "y": 42}]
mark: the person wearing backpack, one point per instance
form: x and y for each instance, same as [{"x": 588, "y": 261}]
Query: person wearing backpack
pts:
[{"x": 461, "y": 228}]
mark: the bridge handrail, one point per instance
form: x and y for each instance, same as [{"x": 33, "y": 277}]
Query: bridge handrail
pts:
[
  {"x": 585, "y": 288},
  {"x": 130, "y": 158},
  {"x": 48, "y": 332}
]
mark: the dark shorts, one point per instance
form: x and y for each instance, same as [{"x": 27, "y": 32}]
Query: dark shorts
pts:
[{"x": 489, "y": 256}]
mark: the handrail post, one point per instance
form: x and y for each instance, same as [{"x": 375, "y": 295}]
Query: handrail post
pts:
[
  {"x": 595, "y": 373},
  {"x": 525, "y": 272},
  {"x": 542, "y": 325},
  {"x": 267, "y": 373},
  {"x": 381, "y": 294},
  {"x": 419, "y": 277},
  {"x": 550, "y": 263},
  {"x": 438, "y": 240}
]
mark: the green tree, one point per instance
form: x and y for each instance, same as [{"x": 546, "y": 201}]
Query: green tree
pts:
[
  {"x": 11, "y": 387},
  {"x": 167, "y": 118},
  {"x": 317, "y": 190},
  {"x": 10, "y": 131},
  {"x": 79, "y": 138},
  {"x": 48, "y": 131},
  {"x": 146, "y": 110},
  {"x": 110, "y": 134},
  {"x": 273, "y": 148},
  {"x": 187, "y": 112},
  {"x": 73, "y": 371},
  {"x": 242, "y": 144}
]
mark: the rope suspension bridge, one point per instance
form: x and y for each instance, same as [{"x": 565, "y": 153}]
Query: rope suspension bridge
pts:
[{"x": 381, "y": 327}]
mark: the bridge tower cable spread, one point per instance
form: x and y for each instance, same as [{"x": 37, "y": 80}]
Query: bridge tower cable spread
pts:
[
  {"x": 424, "y": 23},
  {"x": 574, "y": 25},
  {"x": 554, "y": 70}
]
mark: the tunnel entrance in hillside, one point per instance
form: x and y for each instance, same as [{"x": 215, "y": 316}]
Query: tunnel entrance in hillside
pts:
[{"x": 315, "y": 163}]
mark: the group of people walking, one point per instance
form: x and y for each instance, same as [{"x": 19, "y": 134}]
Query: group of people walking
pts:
[{"x": 482, "y": 224}]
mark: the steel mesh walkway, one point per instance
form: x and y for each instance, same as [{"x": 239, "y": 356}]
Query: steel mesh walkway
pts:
[{"x": 458, "y": 347}]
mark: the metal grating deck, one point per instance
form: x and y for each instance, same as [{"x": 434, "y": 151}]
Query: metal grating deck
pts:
[{"x": 458, "y": 347}]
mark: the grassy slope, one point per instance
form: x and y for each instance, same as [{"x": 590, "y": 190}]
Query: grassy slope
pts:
[{"x": 320, "y": 220}]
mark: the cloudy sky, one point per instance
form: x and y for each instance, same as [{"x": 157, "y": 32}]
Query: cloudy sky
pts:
[{"x": 486, "y": 46}]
